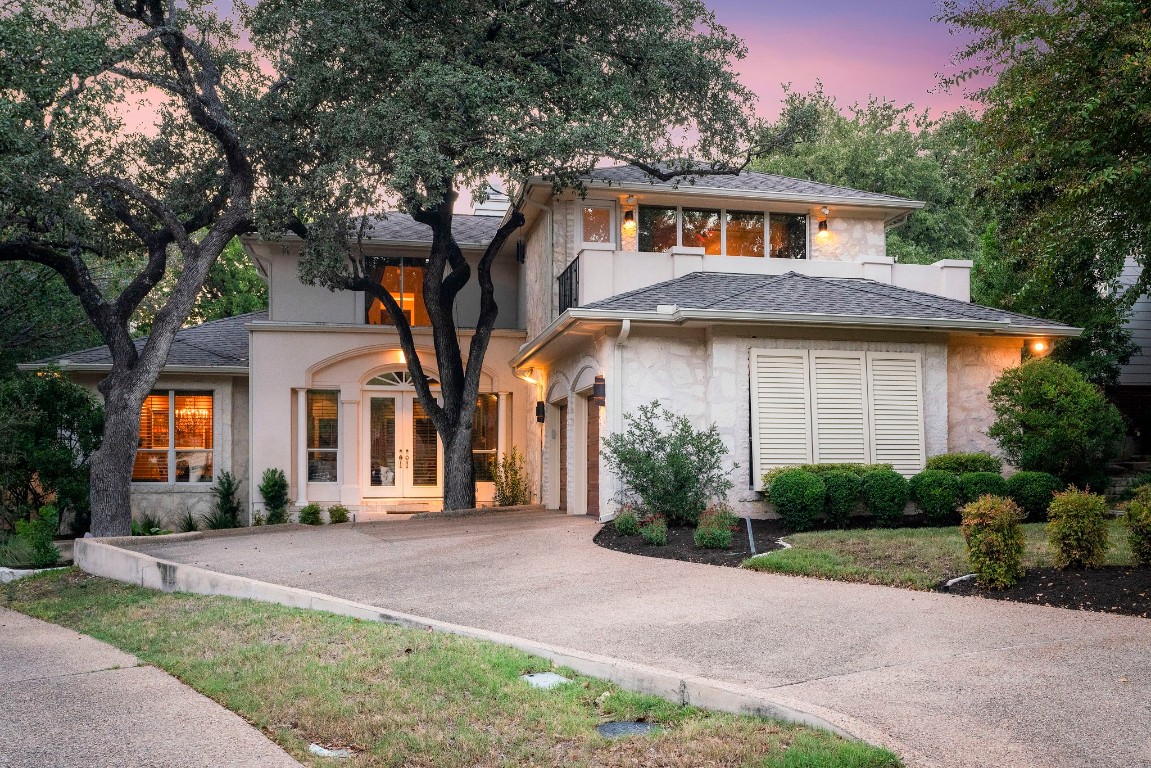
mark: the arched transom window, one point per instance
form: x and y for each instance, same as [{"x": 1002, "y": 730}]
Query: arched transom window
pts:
[{"x": 398, "y": 379}]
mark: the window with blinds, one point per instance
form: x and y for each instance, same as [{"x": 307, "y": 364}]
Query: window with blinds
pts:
[
  {"x": 833, "y": 407},
  {"x": 176, "y": 440}
]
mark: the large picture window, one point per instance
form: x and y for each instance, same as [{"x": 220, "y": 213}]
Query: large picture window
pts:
[
  {"x": 403, "y": 278},
  {"x": 722, "y": 232},
  {"x": 176, "y": 440},
  {"x": 323, "y": 411}
]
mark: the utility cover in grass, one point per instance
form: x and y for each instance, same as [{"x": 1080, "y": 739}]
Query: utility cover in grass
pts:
[
  {"x": 626, "y": 728},
  {"x": 544, "y": 680}
]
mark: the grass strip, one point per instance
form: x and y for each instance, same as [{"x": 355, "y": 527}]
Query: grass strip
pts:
[
  {"x": 407, "y": 697},
  {"x": 914, "y": 558}
]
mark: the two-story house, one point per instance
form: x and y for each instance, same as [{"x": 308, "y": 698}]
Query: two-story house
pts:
[{"x": 762, "y": 304}]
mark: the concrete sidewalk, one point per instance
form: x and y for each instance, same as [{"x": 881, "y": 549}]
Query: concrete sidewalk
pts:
[
  {"x": 67, "y": 700},
  {"x": 960, "y": 682}
]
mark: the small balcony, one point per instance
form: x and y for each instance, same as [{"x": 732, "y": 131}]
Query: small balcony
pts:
[{"x": 600, "y": 274}]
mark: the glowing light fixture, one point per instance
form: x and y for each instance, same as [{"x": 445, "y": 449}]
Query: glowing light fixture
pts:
[
  {"x": 599, "y": 391},
  {"x": 1039, "y": 346},
  {"x": 823, "y": 233},
  {"x": 629, "y": 223},
  {"x": 528, "y": 375}
]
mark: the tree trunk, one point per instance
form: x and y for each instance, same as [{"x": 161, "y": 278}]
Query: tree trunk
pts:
[
  {"x": 459, "y": 472},
  {"x": 111, "y": 469}
]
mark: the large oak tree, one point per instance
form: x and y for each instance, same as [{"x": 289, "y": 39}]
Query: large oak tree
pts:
[
  {"x": 402, "y": 105},
  {"x": 121, "y": 140}
]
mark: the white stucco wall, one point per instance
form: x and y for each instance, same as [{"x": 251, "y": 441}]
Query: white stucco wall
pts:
[
  {"x": 973, "y": 364},
  {"x": 286, "y": 359}
]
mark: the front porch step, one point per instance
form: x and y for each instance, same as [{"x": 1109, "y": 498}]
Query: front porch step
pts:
[{"x": 369, "y": 512}]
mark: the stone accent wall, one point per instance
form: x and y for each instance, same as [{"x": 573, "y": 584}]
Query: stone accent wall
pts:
[
  {"x": 848, "y": 239},
  {"x": 973, "y": 364}
]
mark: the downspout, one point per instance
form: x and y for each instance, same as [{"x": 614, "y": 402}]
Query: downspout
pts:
[{"x": 616, "y": 406}]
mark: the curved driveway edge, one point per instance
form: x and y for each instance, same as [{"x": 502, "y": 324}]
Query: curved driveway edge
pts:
[
  {"x": 103, "y": 558},
  {"x": 68, "y": 700}
]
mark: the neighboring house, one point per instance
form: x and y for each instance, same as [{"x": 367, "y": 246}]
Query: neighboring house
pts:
[
  {"x": 763, "y": 304},
  {"x": 1133, "y": 393}
]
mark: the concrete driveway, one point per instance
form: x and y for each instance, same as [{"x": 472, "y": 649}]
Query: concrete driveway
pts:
[{"x": 950, "y": 681}]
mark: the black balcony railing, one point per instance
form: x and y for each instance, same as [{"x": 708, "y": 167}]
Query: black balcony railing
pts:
[{"x": 569, "y": 286}]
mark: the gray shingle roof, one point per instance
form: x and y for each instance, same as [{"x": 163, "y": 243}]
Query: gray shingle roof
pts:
[
  {"x": 747, "y": 181},
  {"x": 802, "y": 294},
  {"x": 218, "y": 344},
  {"x": 470, "y": 230}
]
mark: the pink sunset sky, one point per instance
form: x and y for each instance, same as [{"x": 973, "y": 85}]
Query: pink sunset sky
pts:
[{"x": 886, "y": 48}]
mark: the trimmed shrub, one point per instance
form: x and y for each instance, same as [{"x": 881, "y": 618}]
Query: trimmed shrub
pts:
[
  {"x": 626, "y": 523},
  {"x": 720, "y": 516},
  {"x": 274, "y": 488},
  {"x": 513, "y": 487},
  {"x": 1033, "y": 492},
  {"x": 1077, "y": 529},
  {"x": 337, "y": 513},
  {"x": 655, "y": 532},
  {"x": 972, "y": 485},
  {"x": 311, "y": 514},
  {"x": 821, "y": 469},
  {"x": 666, "y": 466},
  {"x": 1139, "y": 527},
  {"x": 713, "y": 537},
  {"x": 936, "y": 493},
  {"x": 798, "y": 498},
  {"x": 38, "y": 534},
  {"x": 994, "y": 540},
  {"x": 1051, "y": 419},
  {"x": 227, "y": 492},
  {"x": 962, "y": 463},
  {"x": 147, "y": 524},
  {"x": 843, "y": 491},
  {"x": 886, "y": 493}
]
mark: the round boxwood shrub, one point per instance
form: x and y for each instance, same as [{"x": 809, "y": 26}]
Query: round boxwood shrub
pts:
[
  {"x": 713, "y": 537},
  {"x": 311, "y": 514},
  {"x": 843, "y": 490},
  {"x": 972, "y": 485},
  {"x": 961, "y": 463},
  {"x": 1051, "y": 419},
  {"x": 886, "y": 493},
  {"x": 654, "y": 532},
  {"x": 1033, "y": 492},
  {"x": 1077, "y": 529},
  {"x": 626, "y": 523},
  {"x": 337, "y": 513},
  {"x": 798, "y": 498},
  {"x": 994, "y": 540},
  {"x": 1139, "y": 526},
  {"x": 936, "y": 493}
]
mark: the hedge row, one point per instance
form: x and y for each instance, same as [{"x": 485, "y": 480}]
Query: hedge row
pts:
[{"x": 804, "y": 495}]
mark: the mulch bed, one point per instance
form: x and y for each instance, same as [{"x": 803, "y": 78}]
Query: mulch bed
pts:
[
  {"x": 681, "y": 546},
  {"x": 1114, "y": 589}
]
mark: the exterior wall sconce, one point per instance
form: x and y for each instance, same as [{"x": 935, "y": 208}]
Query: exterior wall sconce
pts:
[
  {"x": 541, "y": 412},
  {"x": 822, "y": 229},
  {"x": 628, "y": 223},
  {"x": 528, "y": 375},
  {"x": 1039, "y": 347},
  {"x": 599, "y": 391}
]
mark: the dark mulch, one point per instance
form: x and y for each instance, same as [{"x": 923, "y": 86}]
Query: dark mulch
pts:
[
  {"x": 1114, "y": 589},
  {"x": 681, "y": 546}
]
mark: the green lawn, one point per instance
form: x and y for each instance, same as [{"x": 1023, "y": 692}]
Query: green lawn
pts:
[
  {"x": 918, "y": 558},
  {"x": 406, "y": 697}
]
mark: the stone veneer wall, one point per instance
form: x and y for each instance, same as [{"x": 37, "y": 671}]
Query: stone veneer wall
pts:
[
  {"x": 848, "y": 239},
  {"x": 973, "y": 364}
]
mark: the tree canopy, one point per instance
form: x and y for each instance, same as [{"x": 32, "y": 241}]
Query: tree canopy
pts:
[{"x": 1066, "y": 142}]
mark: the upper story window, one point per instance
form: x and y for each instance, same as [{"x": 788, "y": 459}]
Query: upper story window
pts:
[
  {"x": 175, "y": 442},
  {"x": 722, "y": 231},
  {"x": 596, "y": 224},
  {"x": 403, "y": 278}
]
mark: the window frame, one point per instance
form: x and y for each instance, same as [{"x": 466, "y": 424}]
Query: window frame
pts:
[
  {"x": 613, "y": 239},
  {"x": 172, "y": 449},
  {"x": 723, "y": 214},
  {"x": 308, "y": 450}
]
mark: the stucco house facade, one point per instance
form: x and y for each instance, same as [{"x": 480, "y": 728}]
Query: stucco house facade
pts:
[{"x": 765, "y": 305}]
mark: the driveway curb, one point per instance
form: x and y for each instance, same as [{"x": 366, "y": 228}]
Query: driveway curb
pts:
[{"x": 101, "y": 558}]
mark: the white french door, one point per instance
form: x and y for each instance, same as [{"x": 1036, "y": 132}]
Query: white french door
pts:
[{"x": 403, "y": 456}]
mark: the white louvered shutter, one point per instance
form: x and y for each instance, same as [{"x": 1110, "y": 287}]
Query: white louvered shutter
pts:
[
  {"x": 780, "y": 410},
  {"x": 896, "y": 388},
  {"x": 839, "y": 407}
]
